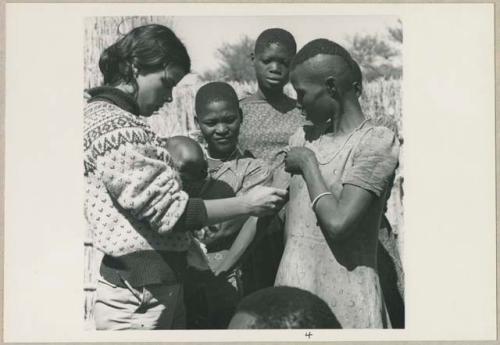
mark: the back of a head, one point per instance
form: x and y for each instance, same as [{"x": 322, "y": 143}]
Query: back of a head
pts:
[
  {"x": 286, "y": 307},
  {"x": 321, "y": 46},
  {"x": 275, "y": 36},
  {"x": 214, "y": 92},
  {"x": 341, "y": 64},
  {"x": 188, "y": 155},
  {"x": 149, "y": 48}
]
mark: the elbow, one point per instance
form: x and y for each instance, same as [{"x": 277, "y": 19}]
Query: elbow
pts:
[{"x": 336, "y": 229}]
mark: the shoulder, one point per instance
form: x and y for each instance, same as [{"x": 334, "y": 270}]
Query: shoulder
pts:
[
  {"x": 258, "y": 164},
  {"x": 379, "y": 134},
  {"x": 253, "y": 171},
  {"x": 108, "y": 125},
  {"x": 102, "y": 112},
  {"x": 247, "y": 165},
  {"x": 376, "y": 140},
  {"x": 248, "y": 160},
  {"x": 248, "y": 97},
  {"x": 252, "y": 102}
]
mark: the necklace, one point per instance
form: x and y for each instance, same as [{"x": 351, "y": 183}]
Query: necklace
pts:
[
  {"x": 218, "y": 162},
  {"x": 318, "y": 144}
]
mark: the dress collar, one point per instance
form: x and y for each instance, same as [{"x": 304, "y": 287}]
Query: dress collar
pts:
[{"x": 114, "y": 96}]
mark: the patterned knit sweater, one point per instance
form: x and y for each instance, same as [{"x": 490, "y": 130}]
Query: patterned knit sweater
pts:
[{"x": 133, "y": 197}]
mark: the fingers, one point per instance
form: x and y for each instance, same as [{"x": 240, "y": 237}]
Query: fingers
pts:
[{"x": 279, "y": 192}]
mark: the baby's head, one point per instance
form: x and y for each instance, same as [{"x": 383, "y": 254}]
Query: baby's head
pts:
[
  {"x": 190, "y": 161},
  {"x": 219, "y": 116}
]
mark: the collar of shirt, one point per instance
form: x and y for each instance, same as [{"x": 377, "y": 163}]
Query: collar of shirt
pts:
[{"x": 223, "y": 166}]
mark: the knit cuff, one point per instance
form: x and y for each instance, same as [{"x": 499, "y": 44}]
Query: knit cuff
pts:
[{"x": 194, "y": 216}]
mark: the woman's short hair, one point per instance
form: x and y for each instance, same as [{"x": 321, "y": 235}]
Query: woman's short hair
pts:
[
  {"x": 321, "y": 46},
  {"x": 149, "y": 48},
  {"x": 213, "y": 92}
]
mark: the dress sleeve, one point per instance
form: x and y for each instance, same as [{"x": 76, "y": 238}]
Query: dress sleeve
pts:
[
  {"x": 374, "y": 162},
  {"x": 257, "y": 174},
  {"x": 140, "y": 178}
]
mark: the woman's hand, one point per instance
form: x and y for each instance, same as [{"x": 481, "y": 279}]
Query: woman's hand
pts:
[
  {"x": 298, "y": 158},
  {"x": 261, "y": 200}
]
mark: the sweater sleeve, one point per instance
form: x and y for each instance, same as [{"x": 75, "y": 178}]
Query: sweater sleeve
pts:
[{"x": 139, "y": 176}]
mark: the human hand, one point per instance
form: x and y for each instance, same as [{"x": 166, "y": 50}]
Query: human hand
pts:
[
  {"x": 298, "y": 158},
  {"x": 262, "y": 200}
]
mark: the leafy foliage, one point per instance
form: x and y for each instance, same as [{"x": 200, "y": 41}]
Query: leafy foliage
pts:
[
  {"x": 378, "y": 57},
  {"x": 235, "y": 64}
]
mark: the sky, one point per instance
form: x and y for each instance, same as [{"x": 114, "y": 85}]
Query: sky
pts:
[{"x": 203, "y": 35}]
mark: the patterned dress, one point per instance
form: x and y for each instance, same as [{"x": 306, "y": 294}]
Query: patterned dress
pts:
[
  {"x": 264, "y": 132},
  {"x": 342, "y": 272}
]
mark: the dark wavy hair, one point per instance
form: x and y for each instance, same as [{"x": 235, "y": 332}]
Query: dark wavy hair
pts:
[{"x": 149, "y": 48}]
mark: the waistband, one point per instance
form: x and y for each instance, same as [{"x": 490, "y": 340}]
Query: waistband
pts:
[{"x": 144, "y": 268}]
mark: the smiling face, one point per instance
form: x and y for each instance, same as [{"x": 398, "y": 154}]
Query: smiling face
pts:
[
  {"x": 219, "y": 122},
  {"x": 272, "y": 66},
  {"x": 155, "y": 88}
]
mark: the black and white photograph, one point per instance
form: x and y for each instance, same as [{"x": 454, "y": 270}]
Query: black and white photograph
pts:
[
  {"x": 243, "y": 180},
  {"x": 252, "y": 172}
]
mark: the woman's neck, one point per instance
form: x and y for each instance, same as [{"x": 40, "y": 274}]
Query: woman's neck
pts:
[
  {"x": 220, "y": 156},
  {"x": 271, "y": 96},
  {"x": 276, "y": 99},
  {"x": 351, "y": 117}
]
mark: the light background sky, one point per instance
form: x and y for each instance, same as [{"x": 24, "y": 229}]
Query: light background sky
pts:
[{"x": 203, "y": 35}]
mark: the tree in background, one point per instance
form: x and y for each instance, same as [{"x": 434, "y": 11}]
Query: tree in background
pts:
[
  {"x": 234, "y": 62},
  {"x": 379, "y": 57}
]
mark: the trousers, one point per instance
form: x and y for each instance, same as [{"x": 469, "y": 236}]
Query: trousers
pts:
[{"x": 155, "y": 306}]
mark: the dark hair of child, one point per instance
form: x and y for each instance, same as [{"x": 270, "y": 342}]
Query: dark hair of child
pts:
[
  {"x": 276, "y": 36},
  {"x": 214, "y": 92},
  {"x": 149, "y": 48},
  {"x": 285, "y": 307}
]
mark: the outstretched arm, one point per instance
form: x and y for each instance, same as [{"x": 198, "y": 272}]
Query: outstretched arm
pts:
[
  {"x": 240, "y": 244},
  {"x": 259, "y": 201}
]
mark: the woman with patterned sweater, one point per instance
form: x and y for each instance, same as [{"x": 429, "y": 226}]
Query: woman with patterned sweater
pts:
[{"x": 135, "y": 206}]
